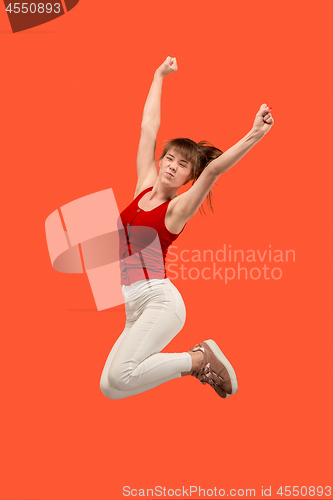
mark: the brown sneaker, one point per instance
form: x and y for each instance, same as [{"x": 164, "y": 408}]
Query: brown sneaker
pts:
[{"x": 215, "y": 369}]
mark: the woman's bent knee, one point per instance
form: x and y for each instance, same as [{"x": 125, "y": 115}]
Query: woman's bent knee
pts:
[
  {"x": 118, "y": 379},
  {"x": 108, "y": 391},
  {"x": 105, "y": 387}
]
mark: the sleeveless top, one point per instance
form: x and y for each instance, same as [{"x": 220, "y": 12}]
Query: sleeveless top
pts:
[{"x": 143, "y": 241}]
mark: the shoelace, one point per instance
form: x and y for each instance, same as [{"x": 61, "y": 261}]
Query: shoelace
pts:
[{"x": 207, "y": 376}]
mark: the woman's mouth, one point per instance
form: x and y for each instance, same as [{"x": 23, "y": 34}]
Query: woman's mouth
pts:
[{"x": 169, "y": 173}]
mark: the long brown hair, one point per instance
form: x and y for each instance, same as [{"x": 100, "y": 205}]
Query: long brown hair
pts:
[{"x": 199, "y": 154}]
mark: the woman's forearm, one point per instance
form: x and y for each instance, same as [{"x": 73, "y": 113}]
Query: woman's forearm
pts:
[
  {"x": 263, "y": 122},
  {"x": 236, "y": 152},
  {"x": 152, "y": 110}
]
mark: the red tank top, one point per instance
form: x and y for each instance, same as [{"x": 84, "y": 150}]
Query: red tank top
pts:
[{"x": 143, "y": 241}]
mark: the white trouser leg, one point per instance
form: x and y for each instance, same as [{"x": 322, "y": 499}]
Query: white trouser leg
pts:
[{"x": 135, "y": 363}]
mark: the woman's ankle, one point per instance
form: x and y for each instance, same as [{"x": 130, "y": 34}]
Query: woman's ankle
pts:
[{"x": 197, "y": 359}]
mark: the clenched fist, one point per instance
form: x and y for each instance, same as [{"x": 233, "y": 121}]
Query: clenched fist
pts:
[
  {"x": 263, "y": 121},
  {"x": 169, "y": 66}
]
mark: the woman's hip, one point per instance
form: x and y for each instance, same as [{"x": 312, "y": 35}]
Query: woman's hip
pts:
[{"x": 157, "y": 295}]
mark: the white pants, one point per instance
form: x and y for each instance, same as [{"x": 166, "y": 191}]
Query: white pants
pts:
[{"x": 135, "y": 363}]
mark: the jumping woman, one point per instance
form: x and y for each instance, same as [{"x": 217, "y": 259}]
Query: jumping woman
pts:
[{"x": 155, "y": 311}]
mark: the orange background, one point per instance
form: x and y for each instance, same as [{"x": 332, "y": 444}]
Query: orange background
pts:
[{"x": 72, "y": 95}]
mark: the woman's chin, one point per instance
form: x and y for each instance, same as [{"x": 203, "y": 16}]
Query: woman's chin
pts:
[{"x": 166, "y": 180}]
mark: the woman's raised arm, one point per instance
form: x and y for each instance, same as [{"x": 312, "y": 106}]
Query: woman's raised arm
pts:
[
  {"x": 188, "y": 203},
  {"x": 151, "y": 120},
  {"x": 262, "y": 124}
]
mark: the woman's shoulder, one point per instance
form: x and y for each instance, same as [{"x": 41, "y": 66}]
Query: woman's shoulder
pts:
[{"x": 173, "y": 204}]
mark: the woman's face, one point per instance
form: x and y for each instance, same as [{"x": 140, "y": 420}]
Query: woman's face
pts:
[{"x": 175, "y": 169}]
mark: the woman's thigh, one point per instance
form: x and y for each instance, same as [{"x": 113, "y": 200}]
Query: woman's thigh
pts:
[{"x": 153, "y": 321}]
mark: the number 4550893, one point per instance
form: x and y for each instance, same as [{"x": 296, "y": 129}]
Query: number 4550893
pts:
[
  {"x": 304, "y": 491},
  {"x": 33, "y": 8}
]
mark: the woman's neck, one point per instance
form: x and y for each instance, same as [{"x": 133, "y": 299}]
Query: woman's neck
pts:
[{"x": 161, "y": 192}]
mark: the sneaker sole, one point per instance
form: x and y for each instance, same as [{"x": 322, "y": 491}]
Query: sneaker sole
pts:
[{"x": 221, "y": 357}]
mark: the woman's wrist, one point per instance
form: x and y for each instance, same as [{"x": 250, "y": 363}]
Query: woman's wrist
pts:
[
  {"x": 255, "y": 134},
  {"x": 158, "y": 74}
]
